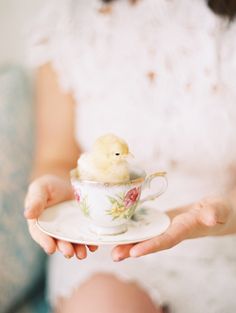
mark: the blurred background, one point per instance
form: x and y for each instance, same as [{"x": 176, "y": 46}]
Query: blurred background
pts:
[
  {"x": 15, "y": 18},
  {"x": 22, "y": 265}
]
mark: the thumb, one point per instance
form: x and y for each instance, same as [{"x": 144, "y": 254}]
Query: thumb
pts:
[
  {"x": 36, "y": 200},
  {"x": 208, "y": 216},
  {"x": 213, "y": 212}
]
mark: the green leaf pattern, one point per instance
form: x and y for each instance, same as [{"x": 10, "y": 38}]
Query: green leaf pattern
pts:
[
  {"x": 118, "y": 208},
  {"x": 84, "y": 205}
]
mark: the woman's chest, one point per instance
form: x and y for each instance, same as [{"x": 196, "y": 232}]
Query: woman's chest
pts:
[
  {"x": 154, "y": 47},
  {"x": 197, "y": 138},
  {"x": 151, "y": 74}
]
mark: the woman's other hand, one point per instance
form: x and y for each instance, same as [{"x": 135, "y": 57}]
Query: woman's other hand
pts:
[{"x": 208, "y": 217}]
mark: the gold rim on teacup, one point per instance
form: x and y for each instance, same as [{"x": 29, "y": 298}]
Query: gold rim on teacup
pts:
[{"x": 74, "y": 176}]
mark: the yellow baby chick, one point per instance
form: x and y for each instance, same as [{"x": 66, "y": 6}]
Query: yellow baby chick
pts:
[{"x": 107, "y": 161}]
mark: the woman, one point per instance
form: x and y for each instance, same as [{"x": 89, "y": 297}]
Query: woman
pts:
[{"x": 161, "y": 75}]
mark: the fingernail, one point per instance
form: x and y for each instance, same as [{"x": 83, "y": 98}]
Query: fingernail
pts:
[
  {"x": 68, "y": 256},
  {"x": 80, "y": 254},
  {"x": 79, "y": 257}
]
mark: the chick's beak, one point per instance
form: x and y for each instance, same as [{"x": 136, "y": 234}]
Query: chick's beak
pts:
[{"x": 129, "y": 156}]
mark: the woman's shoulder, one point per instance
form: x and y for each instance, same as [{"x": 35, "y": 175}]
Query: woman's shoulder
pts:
[{"x": 48, "y": 33}]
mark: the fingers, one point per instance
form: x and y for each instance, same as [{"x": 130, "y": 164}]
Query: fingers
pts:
[
  {"x": 92, "y": 248},
  {"x": 121, "y": 252},
  {"x": 35, "y": 201},
  {"x": 45, "y": 241},
  {"x": 177, "y": 232},
  {"x": 192, "y": 221},
  {"x": 50, "y": 245},
  {"x": 66, "y": 248},
  {"x": 151, "y": 246},
  {"x": 172, "y": 237},
  {"x": 80, "y": 251},
  {"x": 69, "y": 250},
  {"x": 44, "y": 192},
  {"x": 156, "y": 244}
]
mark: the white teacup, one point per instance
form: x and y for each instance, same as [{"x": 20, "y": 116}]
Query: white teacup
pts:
[{"x": 110, "y": 206}]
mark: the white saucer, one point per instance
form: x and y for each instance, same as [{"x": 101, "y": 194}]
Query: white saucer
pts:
[{"x": 65, "y": 221}]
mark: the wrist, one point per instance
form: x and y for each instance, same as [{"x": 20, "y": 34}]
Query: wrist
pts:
[{"x": 57, "y": 168}]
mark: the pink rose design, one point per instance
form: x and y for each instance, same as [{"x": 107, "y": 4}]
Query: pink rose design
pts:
[
  {"x": 77, "y": 195},
  {"x": 131, "y": 197}
]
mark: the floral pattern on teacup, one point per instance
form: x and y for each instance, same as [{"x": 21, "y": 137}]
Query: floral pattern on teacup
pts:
[
  {"x": 132, "y": 196},
  {"x": 123, "y": 205},
  {"x": 82, "y": 201},
  {"x": 77, "y": 195}
]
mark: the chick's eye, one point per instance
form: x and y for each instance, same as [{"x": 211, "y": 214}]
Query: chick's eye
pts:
[{"x": 117, "y": 153}]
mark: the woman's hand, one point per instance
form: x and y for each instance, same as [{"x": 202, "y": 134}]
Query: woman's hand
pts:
[
  {"x": 209, "y": 217},
  {"x": 42, "y": 193}
]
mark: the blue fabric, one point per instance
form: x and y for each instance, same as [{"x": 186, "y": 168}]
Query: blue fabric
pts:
[{"x": 21, "y": 260}]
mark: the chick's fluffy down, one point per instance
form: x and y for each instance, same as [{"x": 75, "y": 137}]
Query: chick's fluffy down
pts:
[
  {"x": 112, "y": 173},
  {"x": 107, "y": 161}
]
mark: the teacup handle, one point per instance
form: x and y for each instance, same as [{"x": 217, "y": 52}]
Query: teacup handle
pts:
[{"x": 147, "y": 184}]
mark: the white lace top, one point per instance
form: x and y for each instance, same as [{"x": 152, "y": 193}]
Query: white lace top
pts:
[{"x": 162, "y": 75}]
